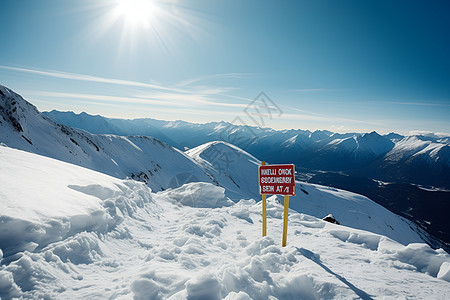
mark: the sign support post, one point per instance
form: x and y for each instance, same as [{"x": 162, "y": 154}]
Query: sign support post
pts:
[
  {"x": 285, "y": 220},
  {"x": 264, "y": 210},
  {"x": 276, "y": 180}
]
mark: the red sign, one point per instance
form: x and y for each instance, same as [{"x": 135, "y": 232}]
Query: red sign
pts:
[{"x": 277, "y": 180}]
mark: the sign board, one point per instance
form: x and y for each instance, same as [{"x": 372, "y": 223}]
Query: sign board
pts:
[{"x": 277, "y": 180}]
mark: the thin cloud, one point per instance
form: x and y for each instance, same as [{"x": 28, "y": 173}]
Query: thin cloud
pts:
[
  {"x": 325, "y": 119},
  {"x": 317, "y": 90},
  {"x": 216, "y": 76},
  {"x": 423, "y": 104},
  {"x": 158, "y": 94},
  {"x": 83, "y": 77},
  {"x": 103, "y": 98},
  {"x": 161, "y": 99},
  {"x": 311, "y": 116},
  {"x": 412, "y": 103},
  {"x": 205, "y": 99}
]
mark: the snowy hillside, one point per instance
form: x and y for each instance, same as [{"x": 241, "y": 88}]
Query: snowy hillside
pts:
[
  {"x": 232, "y": 168},
  {"x": 147, "y": 159},
  {"x": 71, "y": 233},
  {"x": 236, "y": 171}
]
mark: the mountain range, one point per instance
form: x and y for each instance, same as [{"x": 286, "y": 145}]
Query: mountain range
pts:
[
  {"x": 409, "y": 175},
  {"x": 417, "y": 159}
]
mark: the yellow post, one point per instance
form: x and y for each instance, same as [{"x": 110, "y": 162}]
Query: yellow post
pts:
[
  {"x": 264, "y": 211},
  {"x": 285, "y": 219}
]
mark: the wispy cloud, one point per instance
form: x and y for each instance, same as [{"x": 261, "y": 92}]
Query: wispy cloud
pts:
[
  {"x": 423, "y": 104},
  {"x": 151, "y": 93},
  {"x": 160, "y": 99},
  {"x": 207, "y": 97},
  {"x": 312, "y": 116},
  {"x": 216, "y": 76},
  {"x": 89, "y": 78},
  {"x": 100, "y": 98},
  {"x": 326, "y": 119},
  {"x": 316, "y": 90},
  {"x": 412, "y": 103}
]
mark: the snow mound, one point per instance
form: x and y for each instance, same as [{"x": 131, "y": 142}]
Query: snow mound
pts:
[
  {"x": 444, "y": 271},
  {"x": 421, "y": 257},
  {"x": 199, "y": 194},
  {"x": 46, "y": 200}
]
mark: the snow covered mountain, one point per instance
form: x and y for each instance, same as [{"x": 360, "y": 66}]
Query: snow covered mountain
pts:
[
  {"x": 415, "y": 159},
  {"x": 22, "y": 126},
  {"x": 68, "y": 232},
  {"x": 351, "y": 161},
  {"x": 162, "y": 167},
  {"x": 192, "y": 231}
]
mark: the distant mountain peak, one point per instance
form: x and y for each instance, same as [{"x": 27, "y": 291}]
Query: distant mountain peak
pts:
[{"x": 372, "y": 134}]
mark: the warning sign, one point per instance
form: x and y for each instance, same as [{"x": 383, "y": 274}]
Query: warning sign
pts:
[{"x": 277, "y": 180}]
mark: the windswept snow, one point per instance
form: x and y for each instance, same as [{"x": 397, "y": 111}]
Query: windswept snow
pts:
[{"x": 94, "y": 236}]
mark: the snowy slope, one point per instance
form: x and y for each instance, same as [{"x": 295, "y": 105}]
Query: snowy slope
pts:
[
  {"x": 72, "y": 233},
  {"x": 236, "y": 170},
  {"x": 56, "y": 199},
  {"x": 22, "y": 126},
  {"x": 418, "y": 159},
  {"x": 232, "y": 168}
]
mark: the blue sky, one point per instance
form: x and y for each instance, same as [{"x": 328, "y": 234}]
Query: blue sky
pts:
[{"x": 337, "y": 65}]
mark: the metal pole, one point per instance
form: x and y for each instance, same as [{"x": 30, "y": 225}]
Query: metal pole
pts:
[
  {"x": 285, "y": 219},
  {"x": 264, "y": 211}
]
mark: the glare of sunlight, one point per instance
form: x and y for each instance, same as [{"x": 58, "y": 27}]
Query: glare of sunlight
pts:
[
  {"x": 144, "y": 27},
  {"x": 137, "y": 12}
]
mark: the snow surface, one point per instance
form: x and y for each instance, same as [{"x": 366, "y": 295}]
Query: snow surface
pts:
[{"x": 67, "y": 232}]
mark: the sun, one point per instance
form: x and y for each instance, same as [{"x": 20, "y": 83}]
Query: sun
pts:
[
  {"x": 136, "y": 12},
  {"x": 159, "y": 26}
]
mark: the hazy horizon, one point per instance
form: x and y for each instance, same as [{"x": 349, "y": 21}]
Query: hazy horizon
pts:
[{"x": 414, "y": 132}]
